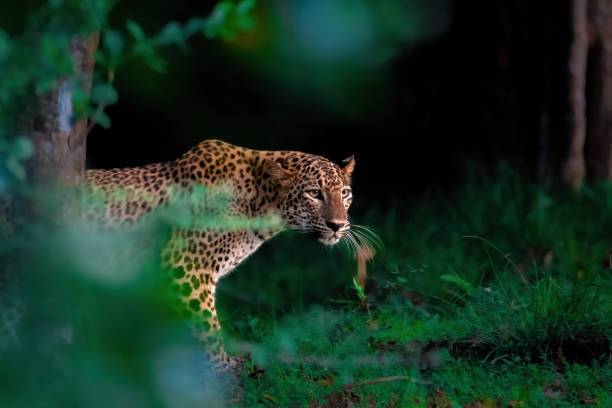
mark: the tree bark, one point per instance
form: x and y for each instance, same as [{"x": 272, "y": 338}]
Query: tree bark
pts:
[
  {"x": 574, "y": 169},
  {"x": 59, "y": 140},
  {"x": 598, "y": 149},
  {"x": 590, "y": 94}
]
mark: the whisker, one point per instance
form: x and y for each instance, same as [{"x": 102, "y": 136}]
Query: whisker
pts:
[
  {"x": 356, "y": 244},
  {"x": 365, "y": 242},
  {"x": 372, "y": 237},
  {"x": 351, "y": 244}
]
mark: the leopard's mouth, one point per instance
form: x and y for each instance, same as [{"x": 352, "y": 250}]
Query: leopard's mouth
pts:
[
  {"x": 330, "y": 238},
  {"x": 329, "y": 241}
]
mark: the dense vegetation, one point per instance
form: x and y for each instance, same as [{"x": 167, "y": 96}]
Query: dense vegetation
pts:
[
  {"x": 499, "y": 294},
  {"x": 495, "y": 294}
]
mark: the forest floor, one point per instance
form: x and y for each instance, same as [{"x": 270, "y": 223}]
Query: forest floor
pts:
[{"x": 495, "y": 296}]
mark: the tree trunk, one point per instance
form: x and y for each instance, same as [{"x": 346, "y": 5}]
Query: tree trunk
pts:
[
  {"x": 59, "y": 140},
  {"x": 598, "y": 148},
  {"x": 590, "y": 95},
  {"x": 574, "y": 168}
]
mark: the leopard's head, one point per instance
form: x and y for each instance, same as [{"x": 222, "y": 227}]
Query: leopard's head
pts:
[{"x": 314, "y": 194}]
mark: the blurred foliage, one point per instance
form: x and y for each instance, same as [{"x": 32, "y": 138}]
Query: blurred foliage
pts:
[
  {"x": 35, "y": 62},
  {"x": 90, "y": 310},
  {"x": 336, "y": 52},
  {"x": 63, "y": 285},
  {"x": 227, "y": 19}
]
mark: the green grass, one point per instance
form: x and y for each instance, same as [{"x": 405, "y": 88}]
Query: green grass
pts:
[
  {"x": 312, "y": 358},
  {"x": 495, "y": 294},
  {"x": 484, "y": 351},
  {"x": 499, "y": 292}
]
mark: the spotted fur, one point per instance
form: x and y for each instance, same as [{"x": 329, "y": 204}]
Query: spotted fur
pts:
[{"x": 307, "y": 192}]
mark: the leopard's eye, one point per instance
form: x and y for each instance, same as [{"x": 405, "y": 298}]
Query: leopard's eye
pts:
[
  {"x": 315, "y": 193},
  {"x": 346, "y": 192}
]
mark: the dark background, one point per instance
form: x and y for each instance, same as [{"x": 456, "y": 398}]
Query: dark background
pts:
[{"x": 436, "y": 85}]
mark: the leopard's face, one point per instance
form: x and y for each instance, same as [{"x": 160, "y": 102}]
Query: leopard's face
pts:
[{"x": 315, "y": 195}]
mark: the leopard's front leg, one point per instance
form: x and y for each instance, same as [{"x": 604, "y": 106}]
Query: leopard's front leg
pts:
[
  {"x": 197, "y": 293},
  {"x": 205, "y": 322},
  {"x": 195, "y": 276}
]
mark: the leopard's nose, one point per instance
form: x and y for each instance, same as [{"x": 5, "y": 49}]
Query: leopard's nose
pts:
[{"x": 335, "y": 225}]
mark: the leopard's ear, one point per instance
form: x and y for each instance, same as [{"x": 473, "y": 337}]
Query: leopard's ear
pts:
[
  {"x": 282, "y": 177},
  {"x": 348, "y": 165}
]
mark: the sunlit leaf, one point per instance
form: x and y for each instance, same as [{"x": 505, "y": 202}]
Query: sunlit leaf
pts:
[{"x": 358, "y": 289}]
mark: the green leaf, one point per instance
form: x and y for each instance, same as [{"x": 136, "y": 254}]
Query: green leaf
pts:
[
  {"x": 358, "y": 289},
  {"x": 80, "y": 102},
  {"x": 55, "y": 55},
  {"x": 135, "y": 29},
  {"x": 21, "y": 149},
  {"x": 16, "y": 168},
  {"x": 172, "y": 33},
  {"x": 113, "y": 43},
  {"x": 218, "y": 18},
  {"x": 151, "y": 58},
  {"x": 244, "y": 7},
  {"x": 45, "y": 85},
  {"x": 245, "y": 23},
  {"x": 103, "y": 120},
  {"x": 229, "y": 18},
  {"x": 155, "y": 62},
  {"x": 458, "y": 280},
  {"x": 194, "y": 25},
  {"x": 104, "y": 94}
]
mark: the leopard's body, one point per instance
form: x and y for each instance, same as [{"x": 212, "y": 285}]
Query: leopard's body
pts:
[{"x": 304, "y": 191}]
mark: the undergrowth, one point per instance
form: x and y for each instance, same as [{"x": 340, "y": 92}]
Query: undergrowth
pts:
[
  {"x": 497, "y": 294},
  {"x": 340, "y": 357}
]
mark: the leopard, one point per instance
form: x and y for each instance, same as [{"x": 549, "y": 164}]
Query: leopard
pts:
[{"x": 302, "y": 191}]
